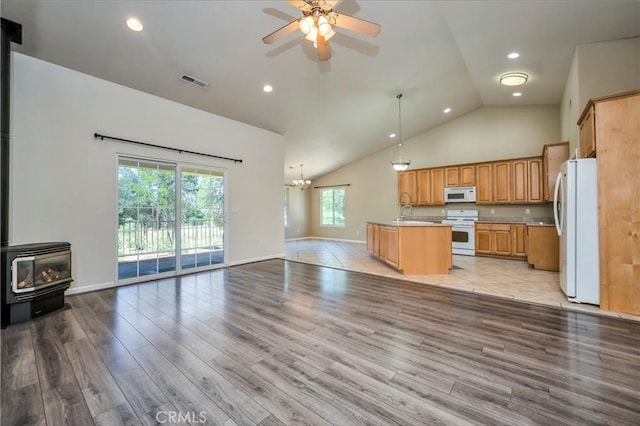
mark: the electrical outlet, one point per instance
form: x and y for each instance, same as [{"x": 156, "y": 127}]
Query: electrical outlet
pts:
[
  {"x": 493, "y": 211},
  {"x": 527, "y": 211}
]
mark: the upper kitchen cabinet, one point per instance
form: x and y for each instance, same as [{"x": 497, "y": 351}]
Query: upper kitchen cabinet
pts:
[
  {"x": 526, "y": 179},
  {"x": 616, "y": 127},
  {"x": 553, "y": 155},
  {"x": 464, "y": 175},
  {"x": 431, "y": 187},
  {"x": 501, "y": 176},
  {"x": 484, "y": 183},
  {"x": 587, "y": 125},
  {"x": 407, "y": 183}
]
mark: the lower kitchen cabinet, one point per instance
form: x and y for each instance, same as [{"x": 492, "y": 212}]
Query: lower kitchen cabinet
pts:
[
  {"x": 412, "y": 250},
  {"x": 543, "y": 247},
  {"x": 501, "y": 239}
]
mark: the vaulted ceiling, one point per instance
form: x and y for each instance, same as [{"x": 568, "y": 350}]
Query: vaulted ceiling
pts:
[{"x": 439, "y": 54}]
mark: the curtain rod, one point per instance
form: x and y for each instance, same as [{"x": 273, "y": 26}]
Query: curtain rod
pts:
[
  {"x": 331, "y": 186},
  {"x": 103, "y": 137}
]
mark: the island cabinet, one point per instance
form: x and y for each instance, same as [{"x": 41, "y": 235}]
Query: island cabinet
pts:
[
  {"x": 553, "y": 155},
  {"x": 615, "y": 133},
  {"x": 543, "y": 247},
  {"x": 407, "y": 183},
  {"x": 373, "y": 238},
  {"x": 501, "y": 239},
  {"x": 412, "y": 250}
]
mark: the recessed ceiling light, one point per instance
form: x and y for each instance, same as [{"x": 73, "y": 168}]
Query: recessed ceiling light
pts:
[
  {"x": 447, "y": 110},
  {"x": 134, "y": 24},
  {"x": 513, "y": 78},
  {"x": 513, "y": 55},
  {"x": 516, "y": 94},
  {"x": 392, "y": 135},
  {"x": 267, "y": 88}
]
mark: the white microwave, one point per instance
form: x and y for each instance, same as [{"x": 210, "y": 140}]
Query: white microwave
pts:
[{"x": 462, "y": 194}]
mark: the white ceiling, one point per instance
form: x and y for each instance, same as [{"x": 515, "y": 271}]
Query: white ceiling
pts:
[{"x": 437, "y": 53}]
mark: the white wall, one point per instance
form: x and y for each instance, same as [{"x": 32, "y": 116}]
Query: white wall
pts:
[
  {"x": 298, "y": 213},
  {"x": 598, "y": 69},
  {"x": 485, "y": 134},
  {"x": 64, "y": 182}
]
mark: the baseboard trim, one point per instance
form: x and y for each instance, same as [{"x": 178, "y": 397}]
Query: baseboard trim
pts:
[
  {"x": 257, "y": 259},
  {"x": 88, "y": 288},
  {"x": 337, "y": 239}
]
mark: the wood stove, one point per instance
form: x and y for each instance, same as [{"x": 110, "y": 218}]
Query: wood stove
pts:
[{"x": 36, "y": 277}]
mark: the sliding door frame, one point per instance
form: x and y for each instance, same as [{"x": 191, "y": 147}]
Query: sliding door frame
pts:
[{"x": 178, "y": 220}]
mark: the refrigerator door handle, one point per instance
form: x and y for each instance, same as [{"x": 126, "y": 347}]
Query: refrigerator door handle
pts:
[{"x": 557, "y": 203}]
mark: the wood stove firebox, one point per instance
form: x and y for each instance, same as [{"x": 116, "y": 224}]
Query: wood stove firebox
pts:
[{"x": 36, "y": 278}]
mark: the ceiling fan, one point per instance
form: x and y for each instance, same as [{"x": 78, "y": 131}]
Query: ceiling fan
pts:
[{"x": 317, "y": 24}]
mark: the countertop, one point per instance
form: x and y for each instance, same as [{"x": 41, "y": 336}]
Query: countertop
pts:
[{"x": 409, "y": 223}]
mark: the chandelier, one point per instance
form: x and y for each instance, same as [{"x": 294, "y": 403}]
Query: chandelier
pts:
[
  {"x": 302, "y": 183},
  {"x": 318, "y": 22},
  {"x": 400, "y": 160}
]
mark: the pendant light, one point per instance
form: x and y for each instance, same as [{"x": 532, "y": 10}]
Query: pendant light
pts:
[
  {"x": 302, "y": 183},
  {"x": 400, "y": 160}
]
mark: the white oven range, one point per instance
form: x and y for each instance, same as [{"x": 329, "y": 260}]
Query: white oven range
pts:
[{"x": 463, "y": 229}]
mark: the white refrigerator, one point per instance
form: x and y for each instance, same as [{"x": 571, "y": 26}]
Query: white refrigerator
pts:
[{"x": 575, "y": 208}]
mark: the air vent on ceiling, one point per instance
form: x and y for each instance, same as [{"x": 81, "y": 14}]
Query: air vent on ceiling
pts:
[{"x": 193, "y": 80}]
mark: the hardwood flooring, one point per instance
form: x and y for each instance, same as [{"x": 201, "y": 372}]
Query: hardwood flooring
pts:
[{"x": 281, "y": 342}]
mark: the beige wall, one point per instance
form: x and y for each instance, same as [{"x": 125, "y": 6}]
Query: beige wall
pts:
[
  {"x": 64, "y": 182},
  {"x": 483, "y": 135},
  {"x": 598, "y": 69},
  {"x": 298, "y": 212}
]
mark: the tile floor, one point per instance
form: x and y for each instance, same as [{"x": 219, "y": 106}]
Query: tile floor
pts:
[{"x": 510, "y": 279}]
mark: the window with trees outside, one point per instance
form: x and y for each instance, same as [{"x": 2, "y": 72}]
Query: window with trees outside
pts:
[
  {"x": 332, "y": 205},
  {"x": 170, "y": 218}
]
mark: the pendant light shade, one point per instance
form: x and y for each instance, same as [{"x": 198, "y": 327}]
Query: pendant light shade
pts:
[{"x": 400, "y": 160}]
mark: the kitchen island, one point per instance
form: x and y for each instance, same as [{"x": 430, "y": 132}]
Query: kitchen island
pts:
[{"x": 411, "y": 247}]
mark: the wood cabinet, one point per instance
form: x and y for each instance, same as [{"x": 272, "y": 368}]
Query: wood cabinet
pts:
[
  {"x": 467, "y": 175},
  {"x": 501, "y": 177},
  {"x": 430, "y": 187},
  {"x": 407, "y": 183},
  {"x": 413, "y": 250},
  {"x": 616, "y": 126},
  {"x": 526, "y": 181},
  {"x": 451, "y": 176},
  {"x": 553, "y": 155},
  {"x": 519, "y": 240},
  {"x": 501, "y": 239},
  {"x": 373, "y": 238},
  {"x": 587, "y": 125},
  {"x": 484, "y": 184},
  {"x": 543, "y": 247}
]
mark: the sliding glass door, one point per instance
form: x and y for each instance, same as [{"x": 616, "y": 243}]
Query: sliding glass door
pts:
[
  {"x": 202, "y": 217},
  {"x": 156, "y": 226}
]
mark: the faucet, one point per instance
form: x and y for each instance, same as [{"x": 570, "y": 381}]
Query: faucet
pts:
[{"x": 403, "y": 206}]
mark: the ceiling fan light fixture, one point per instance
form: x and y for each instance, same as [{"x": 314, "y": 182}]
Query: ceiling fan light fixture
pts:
[
  {"x": 313, "y": 34},
  {"x": 400, "y": 159},
  {"x": 513, "y": 79},
  {"x": 324, "y": 27},
  {"x": 306, "y": 24}
]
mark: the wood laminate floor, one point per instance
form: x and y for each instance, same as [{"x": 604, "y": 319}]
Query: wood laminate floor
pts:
[
  {"x": 507, "y": 278},
  {"x": 282, "y": 342}
]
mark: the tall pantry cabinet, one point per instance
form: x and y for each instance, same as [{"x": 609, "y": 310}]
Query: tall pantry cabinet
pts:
[{"x": 610, "y": 129}]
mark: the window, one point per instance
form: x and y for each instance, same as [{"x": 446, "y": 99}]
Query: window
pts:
[{"x": 332, "y": 205}]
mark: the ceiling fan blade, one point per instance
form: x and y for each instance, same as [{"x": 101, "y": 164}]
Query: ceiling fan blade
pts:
[
  {"x": 297, "y": 3},
  {"x": 358, "y": 25},
  {"x": 281, "y": 32},
  {"x": 324, "y": 51}
]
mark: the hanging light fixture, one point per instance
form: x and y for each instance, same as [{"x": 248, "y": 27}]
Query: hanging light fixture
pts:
[
  {"x": 400, "y": 160},
  {"x": 302, "y": 183}
]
